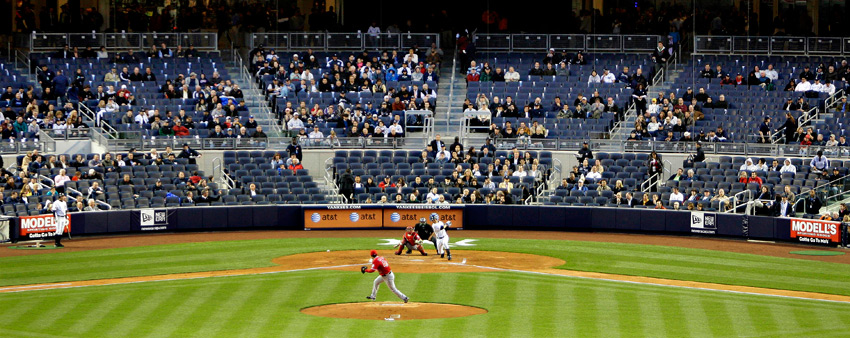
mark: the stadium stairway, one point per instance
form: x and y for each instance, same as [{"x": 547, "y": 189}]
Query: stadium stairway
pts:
[
  {"x": 256, "y": 102},
  {"x": 666, "y": 86},
  {"x": 448, "y": 113}
]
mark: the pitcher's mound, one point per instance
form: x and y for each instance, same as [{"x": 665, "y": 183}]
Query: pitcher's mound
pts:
[{"x": 393, "y": 310}]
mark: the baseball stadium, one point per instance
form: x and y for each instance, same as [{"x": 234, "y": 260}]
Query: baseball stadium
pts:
[{"x": 298, "y": 168}]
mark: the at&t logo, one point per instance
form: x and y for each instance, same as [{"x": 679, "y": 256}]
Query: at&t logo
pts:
[{"x": 315, "y": 217}]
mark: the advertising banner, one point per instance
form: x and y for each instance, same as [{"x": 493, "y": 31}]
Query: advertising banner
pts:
[
  {"x": 703, "y": 222},
  {"x": 342, "y": 217},
  {"x": 153, "y": 219},
  {"x": 402, "y": 216},
  {"x": 41, "y": 226},
  {"x": 814, "y": 231}
]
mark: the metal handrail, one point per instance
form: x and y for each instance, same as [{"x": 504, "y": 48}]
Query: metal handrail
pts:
[
  {"x": 735, "y": 200},
  {"x": 22, "y": 57},
  {"x": 122, "y": 41},
  {"x": 775, "y": 45},
  {"x": 648, "y": 180},
  {"x": 452, "y": 91},
  {"x": 99, "y": 202}
]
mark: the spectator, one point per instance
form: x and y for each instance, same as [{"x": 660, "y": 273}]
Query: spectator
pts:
[
  {"x": 819, "y": 164},
  {"x": 788, "y": 167},
  {"x": 295, "y": 166},
  {"x": 92, "y": 205}
]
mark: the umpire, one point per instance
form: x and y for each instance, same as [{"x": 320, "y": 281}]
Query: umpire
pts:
[{"x": 425, "y": 231}]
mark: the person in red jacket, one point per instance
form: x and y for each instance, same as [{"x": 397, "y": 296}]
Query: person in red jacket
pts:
[
  {"x": 296, "y": 165},
  {"x": 411, "y": 241},
  {"x": 381, "y": 265},
  {"x": 179, "y": 129},
  {"x": 755, "y": 179}
]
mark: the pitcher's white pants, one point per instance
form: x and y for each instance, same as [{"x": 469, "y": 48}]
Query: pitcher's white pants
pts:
[{"x": 390, "y": 280}]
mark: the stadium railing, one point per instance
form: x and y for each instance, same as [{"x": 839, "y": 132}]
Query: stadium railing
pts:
[
  {"x": 710, "y": 44},
  {"x": 569, "y": 42},
  {"x": 354, "y": 41},
  {"x": 122, "y": 41}
]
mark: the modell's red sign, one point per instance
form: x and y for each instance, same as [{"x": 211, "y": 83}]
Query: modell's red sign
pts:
[
  {"x": 41, "y": 226},
  {"x": 815, "y": 231}
]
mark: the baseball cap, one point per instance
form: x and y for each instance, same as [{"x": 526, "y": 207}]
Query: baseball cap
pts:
[
  {"x": 373, "y": 253},
  {"x": 251, "y": 116}
]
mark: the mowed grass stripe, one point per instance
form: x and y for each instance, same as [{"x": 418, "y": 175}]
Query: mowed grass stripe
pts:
[
  {"x": 541, "y": 298},
  {"x": 479, "y": 290},
  {"x": 607, "y": 321},
  {"x": 279, "y": 298},
  {"x": 115, "y": 307},
  {"x": 717, "y": 319},
  {"x": 629, "y": 314},
  {"x": 25, "y": 319},
  {"x": 214, "y": 296},
  {"x": 504, "y": 304},
  {"x": 195, "y": 296},
  {"x": 252, "y": 307},
  {"x": 83, "y": 304},
  {"x": 49, "y": 314},
  {"x": 338, "y": 286},
  {"x": 322, "y": 281},
  {"x": 231, "y": 301},
  {"x": 586, "y": 319},
  {"x": 134, "y": 322}
]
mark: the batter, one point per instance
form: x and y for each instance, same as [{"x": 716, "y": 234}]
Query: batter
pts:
[{"x": 442, "y": 239}]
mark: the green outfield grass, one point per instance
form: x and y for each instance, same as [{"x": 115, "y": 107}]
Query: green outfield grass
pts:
[{"x": 520, "y": 304}]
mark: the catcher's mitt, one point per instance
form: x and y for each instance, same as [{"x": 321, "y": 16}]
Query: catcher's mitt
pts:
[
  {"x": 419, "y": 242},
  {"x": 363, "y": 269}
]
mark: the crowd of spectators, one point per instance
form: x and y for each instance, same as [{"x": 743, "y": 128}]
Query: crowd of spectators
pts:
[
  {"x": 40, "y": 179},
  {"x": 478, "y": 176},
  {"x": 346, "y": 77},
  {"x": 219, "y": 102}
]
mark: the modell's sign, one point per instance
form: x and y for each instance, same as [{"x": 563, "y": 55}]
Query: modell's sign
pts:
[
  {"x": 815, "y": 231},
  {"x": 41, "y": 226}
]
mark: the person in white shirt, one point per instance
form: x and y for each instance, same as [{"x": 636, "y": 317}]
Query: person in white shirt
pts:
[
  {"x": 817, "y": 86},
  {"x": 59, "y": 181},
  {"x": 748, "y": 166},
  {"x": 608, "y": 77},
  {"x": 511, "y": 75},
  {"x": 295, "y": 123},
  {"x": 316, "y": 135},
  {"x": 520, "y": 172},
  {"x": 803, "y": 86},
  {"x": 427, "y": 93},
  {"x": 396, "y": 129},
  {"x": 411, "y": 57},
  {"x": 111, "y": 106},
  {"x": 676, "y": 196},
  {"x": 307, "y": 76},
  {"x": 828, "y": 88},
  {"x": 771, "y": 73},
  {"x": 594, "y": 174},
  {"x": 433, "y": 196},
  {"x": 60, "y": 211},
  {"x": 374, "y": 30},
  {"x": 788, "y": 167},
  {"x": 141, "y": 118},
  {"x": 594, "y": 77}
]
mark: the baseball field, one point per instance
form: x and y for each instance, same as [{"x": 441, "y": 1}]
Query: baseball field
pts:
[{"x": 308, "y": 283}]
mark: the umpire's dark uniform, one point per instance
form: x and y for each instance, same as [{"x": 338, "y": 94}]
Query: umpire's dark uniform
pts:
[{"x": 425, "y": 232}]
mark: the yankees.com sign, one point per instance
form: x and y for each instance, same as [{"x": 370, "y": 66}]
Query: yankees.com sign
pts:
[
  {"x": 815, "y": 231},
  {"x": 41, "y": 226}
]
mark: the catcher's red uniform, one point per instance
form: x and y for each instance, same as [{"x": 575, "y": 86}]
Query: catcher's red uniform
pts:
[{"x": 411, "y": 241}]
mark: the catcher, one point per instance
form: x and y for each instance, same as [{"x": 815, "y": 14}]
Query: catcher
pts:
[
  {"x": 411, "y": 241},
  {"x": 425, "y": 231}
]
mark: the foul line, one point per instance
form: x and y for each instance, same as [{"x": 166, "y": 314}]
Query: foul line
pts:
[
  {"x": 650, "y": 281},
  {"x": 706, "y": 288}
]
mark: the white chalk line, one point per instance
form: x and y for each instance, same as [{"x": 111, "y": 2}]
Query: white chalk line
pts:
[{"x": 659, "y": 284}]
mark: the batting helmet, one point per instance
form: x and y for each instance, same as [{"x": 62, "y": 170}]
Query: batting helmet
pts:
[{"x": 435, "y": 217}]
